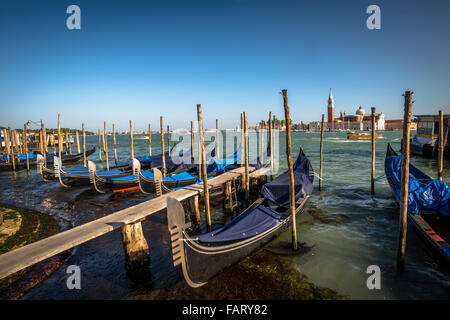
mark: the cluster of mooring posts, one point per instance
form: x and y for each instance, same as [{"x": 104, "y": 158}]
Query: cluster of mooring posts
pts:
[
  {"x": 405, "y": 152},
  {"x": 130, "y": 219}
]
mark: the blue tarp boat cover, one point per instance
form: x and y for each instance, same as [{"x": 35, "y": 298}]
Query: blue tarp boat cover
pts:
[
  {"x": 22, "y": 156},
  {"x": 246, "y": 225},
  {"x": 218, "y": 165},
  {"x": 277, "y": 190},
  {"x": 423, "y": 191}
]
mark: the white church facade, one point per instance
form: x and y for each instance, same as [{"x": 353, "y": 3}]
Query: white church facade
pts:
[{"x": 357, "y": 122}]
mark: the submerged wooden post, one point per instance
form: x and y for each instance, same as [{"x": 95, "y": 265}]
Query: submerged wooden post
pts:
[
  {"x": 59, "y": 136},
  {"x": 78, "y": 141},
  {"x": 149, "y": 140},
  {"x": 247, "y": 178},
  {"x": 25, "y": 144},
  {"x": 131, "y": 146},
  {"x": 321, "y": 151},
  {"x": 290, "y": 168},
  {"x": 441, "y": 145},
  {"x": 115, "y": 144},
  {"x": 84, "y": 145},
  {"x": 217, "y": 140},
  {"x": 162, "y": 147},
  {"x": 135, "y": 245},
  {"x": 99, "y": 146},
  {"x": 372, "y": 176},
  {"x": 205, "y": 174},
  {"x": 168, "y": 139},
  {"x": 106, "y": 145},
  {"x": 404, "y": 182},
  {"x": 192, "y": 139}
]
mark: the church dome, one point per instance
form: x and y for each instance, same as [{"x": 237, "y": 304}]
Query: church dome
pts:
[{"x": 360, "y": 111}]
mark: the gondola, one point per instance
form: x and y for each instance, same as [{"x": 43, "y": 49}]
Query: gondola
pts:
[
  {"x": 428, "y": 204},
  {"x": 153, "y": 182},
  {"x": 33, "y": 161},
  {"x": 80, "y": 176},
  {"x": 204, "y": 256},
  {"x": 181, "y": 173}
]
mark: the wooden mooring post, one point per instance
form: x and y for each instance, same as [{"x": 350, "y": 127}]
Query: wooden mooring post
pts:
[
  {"x": 271, "y": 142},
  {"x": 372, "y": 175},
  {"x": 44, "y": 138},
  {"x": 114, "y": 143},
  {"x": 84, "y": 145},
  {"x": 137, "y": 255},
  {"x": 404, "y": 182},
  {"x": 149, "y": 140},
  {"x": 217, "y": 139},
  {"x": 162, "y": 147},
  {"x": 6, "y": 141},
  {"x": 441, "y": 145},
  {"x": 25, "y": 144},
  {"x": 322, "y": 128},
  {"x": 242, "y": 140},
  {"x": 131, "y": 146},
  {"x": 291, "y": 170},
  {"x": 59, "y": 136},
  {"x": 78, "y": 141},
  {"x": 67, "y": 144},
  {"x": 204, "y": 172},
  {"x": 168, "y": 139},
  {"x": 247, "y": 178},
  {"x": 11, "y": 139},
  {"x": 105, "y": 135},
  {"x": 192, "y": 139},
  {"x": 99, "y": 146}
]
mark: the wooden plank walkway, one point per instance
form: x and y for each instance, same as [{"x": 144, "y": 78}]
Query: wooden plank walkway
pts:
[{"x": 28, "y": 255}]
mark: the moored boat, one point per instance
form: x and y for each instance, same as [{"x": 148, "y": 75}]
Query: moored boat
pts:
[
  {"x": 204, "y": 256},
  {"x": 428, "y": 204},
  {"x": 425, "y": 142},
  {"x": 33, "y": 161}
]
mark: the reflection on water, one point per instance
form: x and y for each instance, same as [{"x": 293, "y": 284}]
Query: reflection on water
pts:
[{"x": 346, "y": 228}]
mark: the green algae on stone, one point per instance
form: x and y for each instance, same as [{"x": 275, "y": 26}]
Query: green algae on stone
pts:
[{"x": 35, "y": 226}]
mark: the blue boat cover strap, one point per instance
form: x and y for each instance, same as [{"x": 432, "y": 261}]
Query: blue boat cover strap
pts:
[
  {"x": 277, "y": 190},
  {"x": 246, "y": 225},
  {"x": 424, "y": 193}
]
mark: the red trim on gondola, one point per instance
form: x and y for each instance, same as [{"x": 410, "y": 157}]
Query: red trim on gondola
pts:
[{"x": 126, "y": 189}]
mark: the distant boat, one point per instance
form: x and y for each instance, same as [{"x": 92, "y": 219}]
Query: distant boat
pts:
[
  {"x": 364, "y": 136},
  {"x": 425, "y": 142}
]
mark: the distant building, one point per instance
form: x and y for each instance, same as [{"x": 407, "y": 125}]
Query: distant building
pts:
[
  {"x": 357, "y": 122},
  {"x": 330, "y": 107}
]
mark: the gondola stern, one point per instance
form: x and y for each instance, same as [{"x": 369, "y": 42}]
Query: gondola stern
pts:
[{"x": 176, "y": 224}]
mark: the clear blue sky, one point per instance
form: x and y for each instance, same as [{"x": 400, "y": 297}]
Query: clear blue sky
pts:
[{"x": 142, "y": 59}]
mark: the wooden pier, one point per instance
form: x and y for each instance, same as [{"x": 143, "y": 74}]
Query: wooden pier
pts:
[{"x": 129, "y": 220}]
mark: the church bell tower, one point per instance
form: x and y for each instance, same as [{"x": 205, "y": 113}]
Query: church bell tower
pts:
[{"x": 330, "y": 107}]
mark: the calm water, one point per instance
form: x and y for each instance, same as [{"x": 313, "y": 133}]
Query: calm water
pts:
[{"x": 347, "y": 228}]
